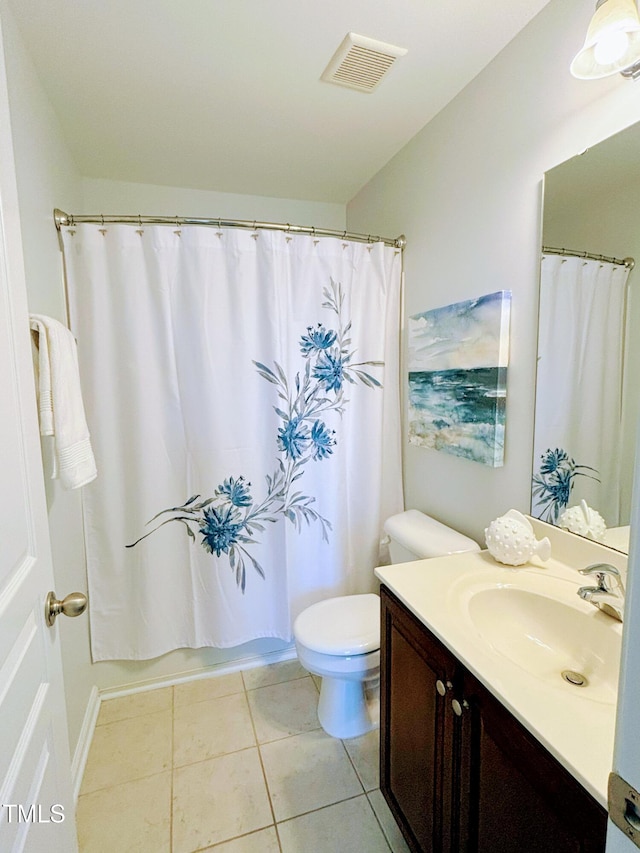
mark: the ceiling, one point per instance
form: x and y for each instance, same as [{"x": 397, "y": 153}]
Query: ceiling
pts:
[{"x": 226, "y": 94}]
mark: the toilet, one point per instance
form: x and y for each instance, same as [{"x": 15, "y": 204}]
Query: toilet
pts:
[{"x": 339, "y": 638}]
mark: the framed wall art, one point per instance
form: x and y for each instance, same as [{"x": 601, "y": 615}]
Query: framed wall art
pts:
[{"x": 458, "y": 357}]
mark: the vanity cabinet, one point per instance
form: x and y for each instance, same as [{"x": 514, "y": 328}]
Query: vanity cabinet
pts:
[{"x": 458, "y": 771}]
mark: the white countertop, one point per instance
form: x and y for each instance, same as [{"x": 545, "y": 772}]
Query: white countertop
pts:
[{"x": 578, "y": 731}]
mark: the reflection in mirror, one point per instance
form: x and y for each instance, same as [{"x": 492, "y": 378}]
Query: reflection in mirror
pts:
[{"x": 588, "y": 375}]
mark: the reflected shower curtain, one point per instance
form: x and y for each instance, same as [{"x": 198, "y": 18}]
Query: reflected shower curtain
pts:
[
  {"x": 579, "y": 386},
  {"x": 242, "y": 394}
]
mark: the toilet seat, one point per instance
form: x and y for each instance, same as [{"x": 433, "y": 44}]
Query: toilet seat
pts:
[{"x": 346, "y": 625}]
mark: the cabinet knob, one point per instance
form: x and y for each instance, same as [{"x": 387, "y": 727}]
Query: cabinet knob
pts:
[
  {"x": 442, "y": 688},
  {"x": 459, "y": 707}
]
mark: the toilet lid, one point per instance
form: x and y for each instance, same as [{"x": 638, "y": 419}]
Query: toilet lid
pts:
[{"x": 348, "y": 625}]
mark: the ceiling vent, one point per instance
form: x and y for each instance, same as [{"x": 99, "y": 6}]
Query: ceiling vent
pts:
[{"x": 361, "y": 63}]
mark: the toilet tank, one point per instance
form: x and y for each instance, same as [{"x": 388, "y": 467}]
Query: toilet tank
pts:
[{"x": 416, "y": 536}]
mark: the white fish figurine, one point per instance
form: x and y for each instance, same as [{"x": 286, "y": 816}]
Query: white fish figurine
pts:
[
  {"x": 584, "y": 521},
  {"x": 511, "y": 540}
]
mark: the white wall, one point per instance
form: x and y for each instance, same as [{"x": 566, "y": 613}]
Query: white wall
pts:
[
  {"x": 122, "y": 197},
  {"x": 467, "y": 193}
]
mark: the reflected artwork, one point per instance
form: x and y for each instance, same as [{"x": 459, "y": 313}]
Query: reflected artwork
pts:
[{"x": 458, "y": 358}]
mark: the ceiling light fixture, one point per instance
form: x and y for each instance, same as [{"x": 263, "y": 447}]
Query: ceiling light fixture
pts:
[{"x": 612, "y": 44}]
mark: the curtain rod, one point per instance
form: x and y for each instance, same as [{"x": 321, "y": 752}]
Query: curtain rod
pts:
[
  {"x": 61, "y": 218},
  {"x": 625, "y": 262}
]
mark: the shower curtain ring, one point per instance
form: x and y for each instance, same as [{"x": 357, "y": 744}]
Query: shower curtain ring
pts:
[{"x": 102, "y": 218}]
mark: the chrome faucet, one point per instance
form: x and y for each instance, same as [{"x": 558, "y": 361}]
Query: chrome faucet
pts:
[{"x": 607, "y": 598}]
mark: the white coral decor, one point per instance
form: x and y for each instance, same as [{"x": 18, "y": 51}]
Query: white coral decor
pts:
[
  {"x": 584, "y": 521},
  {"x": 511, "y": 540}
]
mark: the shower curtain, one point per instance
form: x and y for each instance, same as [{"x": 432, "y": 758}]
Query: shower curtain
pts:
[
  {"x": 242, "y": 394},
  {"x": 579, "y": 386}
]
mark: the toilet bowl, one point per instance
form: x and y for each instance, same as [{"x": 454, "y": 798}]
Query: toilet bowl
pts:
[{"x": 339, "y": 638}]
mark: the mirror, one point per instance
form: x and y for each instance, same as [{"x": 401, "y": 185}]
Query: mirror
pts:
[{"x": 588, "y": 368}]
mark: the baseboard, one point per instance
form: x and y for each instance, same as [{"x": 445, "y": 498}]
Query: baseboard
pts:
[
  {"x": 224, "y": 668},
  {"x": 84, "y": 741}
]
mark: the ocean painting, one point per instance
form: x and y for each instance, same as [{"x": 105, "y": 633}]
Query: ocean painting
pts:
[{"x": 458, "y": 358}]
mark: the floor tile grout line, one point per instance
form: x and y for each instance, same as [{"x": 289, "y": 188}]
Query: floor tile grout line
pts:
[
  {"x": 264, "y": 772},
  {"x": 125, "y": 782},
  {"x": 170, "y": 769},
  {"x": 235, "y": 838},
  {"x": 322, "y": 808},
  {"x": 179, "y": 705},
  {"x": 216, "y": 757},
  {"x": 276, "y": 683},
  {"x": 226, "y": 752},
  {"x": 245, "y": 690},
  {"x": 339, "y": 802},
  {"x": 378, "y": 821},
  {"x": 361, "y": 793},
  {"x": 208, "y": 699},
  {"x": 353, "y": 764},
  {"x": 289, "y": 734},
  {"x": 104, "y": 702}
]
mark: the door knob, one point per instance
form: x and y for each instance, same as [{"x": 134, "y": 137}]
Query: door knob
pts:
[
  {"x": 71, "y": 605},
  {"x": 459, "y": 707}
]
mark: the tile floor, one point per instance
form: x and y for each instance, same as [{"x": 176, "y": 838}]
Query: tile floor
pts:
[{"x": 232, "y": 764}]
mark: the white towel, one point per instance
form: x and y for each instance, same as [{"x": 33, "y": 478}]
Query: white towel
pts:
[{"x": 60, "y": 402}]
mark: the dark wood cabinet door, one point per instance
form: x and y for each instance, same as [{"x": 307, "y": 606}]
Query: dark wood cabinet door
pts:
[
  {"x": 475, "y": 781},
  {"x": 514, "y": 796},
  {"x": 416, "y": 728}
]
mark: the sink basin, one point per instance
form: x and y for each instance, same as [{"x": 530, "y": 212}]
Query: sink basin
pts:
[
  {"x": 537, "y": 625},
  {"x": 516, "y": 630}
]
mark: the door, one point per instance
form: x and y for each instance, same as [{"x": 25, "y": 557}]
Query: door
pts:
[
  {"x": 36, "y": 801},
  {"x": 416, "y": 731},
  {"x": 514, "y": 795}
]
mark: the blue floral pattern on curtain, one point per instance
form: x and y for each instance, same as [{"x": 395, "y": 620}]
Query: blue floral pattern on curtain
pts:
[
  {"x": 553, "y": 484},
  {"x": 232, "y": 519}
]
